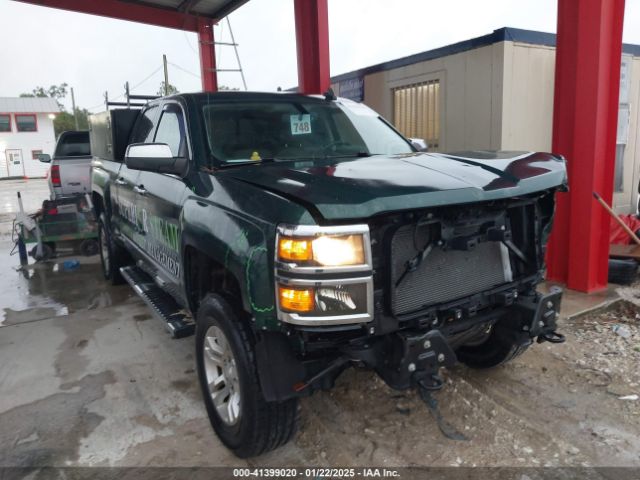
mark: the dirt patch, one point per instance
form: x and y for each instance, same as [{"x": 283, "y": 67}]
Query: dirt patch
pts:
[{"x": 557, "y": 405}]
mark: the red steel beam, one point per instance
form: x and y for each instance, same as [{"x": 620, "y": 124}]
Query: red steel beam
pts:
[
  {"x": 312, "y": 44},
  {"x": 207, "y": 56},
  {"x": 122, "y": 10},
  {"x": 587, "y": 83}
]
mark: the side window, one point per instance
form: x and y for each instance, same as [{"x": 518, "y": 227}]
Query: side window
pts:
[
  {"x": 143, "y": 130},
  {"x": 171, "y": 131}
]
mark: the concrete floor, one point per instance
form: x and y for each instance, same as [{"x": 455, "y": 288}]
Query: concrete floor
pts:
[{"x": 88, "y": 377}]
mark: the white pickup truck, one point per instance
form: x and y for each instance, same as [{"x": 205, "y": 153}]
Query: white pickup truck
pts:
[{"x": 70, "y": 172}]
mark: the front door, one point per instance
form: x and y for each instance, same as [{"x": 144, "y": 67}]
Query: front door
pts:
[
  {"x": 15, "y": 165},
  {"x": 160, "y": 198},
  {"x": 128, "y": 220}
]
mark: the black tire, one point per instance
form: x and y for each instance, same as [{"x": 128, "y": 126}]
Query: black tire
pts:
[
  {"x": 260, "y": 426},
  {"x": 500, "y": 347},
  {"x": 112, "y": 255},
  {"x": 89, "y": 247},
  {"x": 622, "y": 271},
  {"x": 48, "y": 252}
]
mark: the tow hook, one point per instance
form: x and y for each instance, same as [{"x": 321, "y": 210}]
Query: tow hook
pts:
[{"x": 541, "y": 315}]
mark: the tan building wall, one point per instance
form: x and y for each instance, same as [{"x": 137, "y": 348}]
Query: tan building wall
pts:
[
  {"x": 470, "y": 95},
  {"x": 527, "y": 113},
  {"x": 627, "y": 200},
  {"x": 500, "y": 97}
]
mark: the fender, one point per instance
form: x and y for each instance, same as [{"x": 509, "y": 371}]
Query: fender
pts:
[
  {"x": 240, "y": 247},
  {"x": 236, "y": 226}
]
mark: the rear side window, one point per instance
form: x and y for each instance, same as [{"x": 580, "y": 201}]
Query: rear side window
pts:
[
  {"x": 73, "y": 144},
  {"x": 171, "y": 131},
  {"x": 143, "y": 130}
]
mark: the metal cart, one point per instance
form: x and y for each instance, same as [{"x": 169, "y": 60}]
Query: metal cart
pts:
[{"x": 69, "y": 222}]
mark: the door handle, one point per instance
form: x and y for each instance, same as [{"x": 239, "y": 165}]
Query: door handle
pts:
[
  {"x": 140, "y": 189},
  {"x": 120, "y": 181}
]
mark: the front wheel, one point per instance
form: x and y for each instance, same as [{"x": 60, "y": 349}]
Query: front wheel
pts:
[
  {"x": 500, "y": 346},
  {"x": 245, "y": 422}
]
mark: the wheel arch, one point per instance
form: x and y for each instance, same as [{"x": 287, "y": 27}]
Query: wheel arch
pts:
[{"x": 232, "y": 259}]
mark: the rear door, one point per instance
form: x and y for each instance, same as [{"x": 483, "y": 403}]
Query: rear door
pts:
[
  {"x": 160, "y": 196},
  {"x": 127, "y": 218}
]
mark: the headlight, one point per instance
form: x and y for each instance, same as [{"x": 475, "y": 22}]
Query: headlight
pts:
[
  {"x": 336, "y": 248},
  {"x": 326, "y": 251},
  {"x": 324, "y": 274}
]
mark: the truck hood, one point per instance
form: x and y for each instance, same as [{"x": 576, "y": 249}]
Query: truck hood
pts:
[{"x": 345, "y": 188}]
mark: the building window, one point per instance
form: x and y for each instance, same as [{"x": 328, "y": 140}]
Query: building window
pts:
[
  {"x": 5, "y": 122},
  {"x": 416, "y": 111},
  {"x": 35, "y": 153},
  {"x": 26, "y": 123}
]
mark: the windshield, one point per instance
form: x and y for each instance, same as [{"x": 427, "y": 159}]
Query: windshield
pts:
[{"x": 292, "y": 129}]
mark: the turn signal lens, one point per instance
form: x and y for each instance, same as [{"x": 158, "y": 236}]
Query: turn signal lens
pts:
[
  {"x": 296, "y": 299},
  {"x": 294, "y": 249}
]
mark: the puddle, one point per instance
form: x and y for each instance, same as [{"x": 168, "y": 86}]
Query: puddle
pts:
[{"x": 47, "y": 290}]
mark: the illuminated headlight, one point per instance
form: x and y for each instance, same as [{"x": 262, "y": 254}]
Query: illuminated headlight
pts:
[
  {"x": 323, "y": 249},
  {"x": 324, "y": 274}
]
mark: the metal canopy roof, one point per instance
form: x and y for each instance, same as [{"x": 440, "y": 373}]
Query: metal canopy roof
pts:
[
  {"x": 28, "y": 105},
  {"x": 179, "y": 14}
]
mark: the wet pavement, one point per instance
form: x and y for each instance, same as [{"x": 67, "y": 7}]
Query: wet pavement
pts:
[{"x": 89, "y": 377}]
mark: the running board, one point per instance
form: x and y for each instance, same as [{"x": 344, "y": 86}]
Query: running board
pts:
[{"x": 178, "y": 323}]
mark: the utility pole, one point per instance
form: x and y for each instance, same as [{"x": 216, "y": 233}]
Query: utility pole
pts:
[
  {"x": 73, "y": 105},
  {"x": 166, "y": 75}
]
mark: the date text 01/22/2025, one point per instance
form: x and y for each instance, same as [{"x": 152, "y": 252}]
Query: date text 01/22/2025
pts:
[{"x": 316, "y": 472}]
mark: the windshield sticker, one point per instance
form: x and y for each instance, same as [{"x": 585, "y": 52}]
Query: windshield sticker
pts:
[{"x": 300, "y": 124}]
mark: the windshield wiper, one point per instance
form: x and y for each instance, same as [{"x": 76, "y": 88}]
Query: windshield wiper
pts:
[
  {"x": 249, "y": 162},
  {"x": 352, "y": 155}
]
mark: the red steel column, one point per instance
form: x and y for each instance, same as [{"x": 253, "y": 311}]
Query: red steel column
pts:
[
  {"x": 312, "y": 42},
  {"x": 207, "y": 55},
  {"x": 587, "y": 82}
]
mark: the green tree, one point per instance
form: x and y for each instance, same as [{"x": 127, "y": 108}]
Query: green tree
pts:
[
  {"x": 171, "y": 90},
  {"x": 54, "y": 91},
  {"x": 64, "y": 120}
]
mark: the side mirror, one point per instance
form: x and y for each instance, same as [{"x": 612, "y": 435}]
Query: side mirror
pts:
[
  {"x": 44, "y": 157},
  {"x": 155, "y": 157},
  {"x": 419, "y": 144}
]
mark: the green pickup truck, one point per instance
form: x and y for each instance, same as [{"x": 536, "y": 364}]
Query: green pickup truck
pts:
[{"x": 297, "y": 236}]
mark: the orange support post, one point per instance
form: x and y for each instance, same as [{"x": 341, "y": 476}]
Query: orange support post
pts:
[
  {"x": 587, "y": 83},
  {"x": 312, "y": 43},
  {"x": 207, "y": 55}
]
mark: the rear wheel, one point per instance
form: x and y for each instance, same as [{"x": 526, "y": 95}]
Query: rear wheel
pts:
[
  {"x": 112, "y": 255},
  {"x": 499, "y": 347},
  {"x": 245, "y": 422}
]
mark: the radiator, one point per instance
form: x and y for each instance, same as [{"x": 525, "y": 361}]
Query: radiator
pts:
[{"x": 444, "y": 275}]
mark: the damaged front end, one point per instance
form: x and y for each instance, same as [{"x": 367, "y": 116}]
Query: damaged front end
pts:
[{"x": 433, "y": 287}]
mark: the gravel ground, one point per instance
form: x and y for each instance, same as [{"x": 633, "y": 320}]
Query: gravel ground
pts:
[{"x": 574, "y": 404}]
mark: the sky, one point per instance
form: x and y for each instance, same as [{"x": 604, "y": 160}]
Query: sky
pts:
[{"x": 44, "y": 46}]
